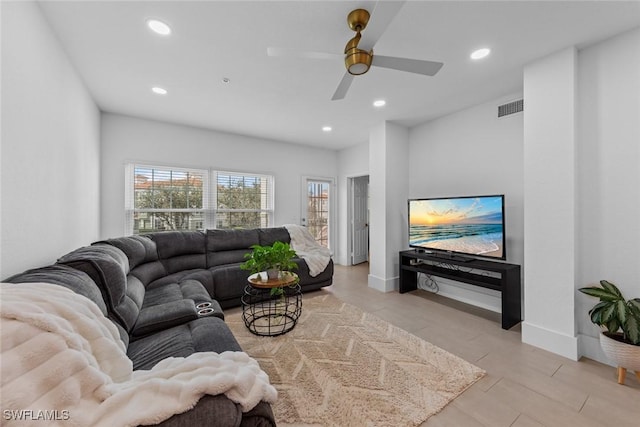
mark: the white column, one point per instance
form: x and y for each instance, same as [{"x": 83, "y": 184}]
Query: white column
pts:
[
  {"x": 549, "y": 203},
  {"x": 388, "y": 190}
]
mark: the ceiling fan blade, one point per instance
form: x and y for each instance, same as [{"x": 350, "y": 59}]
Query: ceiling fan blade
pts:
[
  {"x": 417, "y": 66},
  {"x": 343, "y": 87},
  {"x": 382, "y": 15},
  {"x": 296, "y": 53}
]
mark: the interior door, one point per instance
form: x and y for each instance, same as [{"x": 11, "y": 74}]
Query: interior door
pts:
[{"x": 360, "y": 220}]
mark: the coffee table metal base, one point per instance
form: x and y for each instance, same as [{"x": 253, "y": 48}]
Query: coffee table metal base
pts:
[{"x": 270, "y": 316}]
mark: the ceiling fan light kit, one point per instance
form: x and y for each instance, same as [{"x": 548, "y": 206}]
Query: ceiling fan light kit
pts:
[{"x": 358, "y": 63}]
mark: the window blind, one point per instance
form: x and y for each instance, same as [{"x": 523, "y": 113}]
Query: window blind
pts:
[
  {"x": 165, "y": 198},
  {"x": 159, "y": 198},
  {"x": 243, "y": 200}
]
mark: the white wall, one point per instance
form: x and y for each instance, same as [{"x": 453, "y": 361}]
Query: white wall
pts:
[
  {"x": 127, "y": 139},
  {"x": 472, "y": 152},
  {"x": 352, "y": 162},
  {"x": 608, "y": 171},
  {"x": 50, "y": 146}
]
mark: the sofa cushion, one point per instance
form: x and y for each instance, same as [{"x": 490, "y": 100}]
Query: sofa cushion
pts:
[
  {"x": 162, "y": 295},
  {"x": 138, "y": 249},
  {"x": 181, "y": 250},
  {"x": 108, "y": 267},
  {"x": 164, "y": 316},
  {"x": 226, "y": 240},
  {"x": 175, "y": 243},
  {"x": 234, "y": 256},
  {"x": 184, "y": 262},
  {"x": 71, "y": 278},
  {"x": 225, "y": 413},
  {"x": 76, "y": 280},
  {"x": 305, "y": 276},
  {"x": 142, "y": 253},
  {"x": 229, "y": 282},
  {"x": 209, "y": 408},
  {"x": 135, "y": 290},
  {"x": 187, "y": 289},
  {"x": 203, "y": 334},
  {"x": 149, "y": 272},
  {"x": 268, "y": 236},
  {"x": 229, "y": 246},
  {"x": 199, "y": 275}
]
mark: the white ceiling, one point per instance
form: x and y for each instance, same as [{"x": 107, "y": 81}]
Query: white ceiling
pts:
[{"x": 288, "y": 99}]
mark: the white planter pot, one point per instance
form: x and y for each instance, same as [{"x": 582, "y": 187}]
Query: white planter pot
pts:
[
  {"x": 625, "y": 356},
  {"x": 273, "y": 274}
]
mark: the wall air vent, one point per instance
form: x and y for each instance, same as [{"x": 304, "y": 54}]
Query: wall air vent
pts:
[{"x": 511, "y": 108}]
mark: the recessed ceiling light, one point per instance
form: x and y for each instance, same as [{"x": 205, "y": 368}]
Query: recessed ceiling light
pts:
[
  {"x": 379, "y": 103},
  {"x": 326, "y": 128},
  {"x": 159, "y": 90},
  {"x": 159, "y": 27},
  {"x": 480, "y": 53}
]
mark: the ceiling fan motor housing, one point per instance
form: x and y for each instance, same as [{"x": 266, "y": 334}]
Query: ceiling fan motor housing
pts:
[
  {"x": 358, "y": 19},
  {"x": 356, "y": 60}
]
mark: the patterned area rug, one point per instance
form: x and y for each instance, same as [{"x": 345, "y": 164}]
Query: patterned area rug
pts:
[{"x": 341, "y": 366}]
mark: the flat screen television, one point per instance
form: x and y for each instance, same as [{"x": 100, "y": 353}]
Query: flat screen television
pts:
[{"x": 470, "y": 225}]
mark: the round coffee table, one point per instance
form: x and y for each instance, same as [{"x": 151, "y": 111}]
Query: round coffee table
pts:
[{"x": 272, "y": 307}]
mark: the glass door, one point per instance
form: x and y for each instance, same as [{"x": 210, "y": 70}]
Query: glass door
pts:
[{"x": 316, "y": 209}]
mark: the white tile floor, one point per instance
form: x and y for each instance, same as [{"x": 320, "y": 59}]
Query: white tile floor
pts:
[{"x": 525, "y": 386}]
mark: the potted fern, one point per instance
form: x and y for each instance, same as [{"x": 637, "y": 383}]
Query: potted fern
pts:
[{"x": 620, "y": 323}]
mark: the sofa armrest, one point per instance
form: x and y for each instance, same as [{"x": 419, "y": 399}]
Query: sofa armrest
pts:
[{"x": 164, "y": 316}]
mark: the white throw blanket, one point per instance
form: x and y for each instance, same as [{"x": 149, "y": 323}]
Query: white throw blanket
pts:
[
  {"x": 316, "y": 256},
  {"x": 62, "y": 359}
]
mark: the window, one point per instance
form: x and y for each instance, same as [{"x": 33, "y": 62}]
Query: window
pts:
[
  {"x": 167, "y": 198},
  {"x": 162, "y": 199},
  {"x": 243, "y": 200}
]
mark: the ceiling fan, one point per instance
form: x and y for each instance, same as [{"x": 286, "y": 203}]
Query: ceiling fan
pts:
[{"x": 358, "y": 53}]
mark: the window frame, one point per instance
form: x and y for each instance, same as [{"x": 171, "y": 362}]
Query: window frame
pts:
[
  {"x": 209, "y": 210},
  {"x": 269, "y": 195}
]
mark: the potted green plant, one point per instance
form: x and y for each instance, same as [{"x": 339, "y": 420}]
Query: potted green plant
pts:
[
  {"x": 273, "y": 259},
  {"x": 620, "y": 322}
]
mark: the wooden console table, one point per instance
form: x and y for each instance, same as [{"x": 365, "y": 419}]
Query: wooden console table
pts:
[{"x": 498, "y": 276}]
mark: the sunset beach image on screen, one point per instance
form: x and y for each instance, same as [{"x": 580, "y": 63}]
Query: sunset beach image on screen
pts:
[{"x": 467, "y": 225}]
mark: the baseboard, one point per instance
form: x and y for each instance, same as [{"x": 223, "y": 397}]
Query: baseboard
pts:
[
  {"x": 589, "y": 346},
  {"x": 553, "y": 341},
  {"x": 464, "y": 293},
  {"x": 383, "y": 285}
]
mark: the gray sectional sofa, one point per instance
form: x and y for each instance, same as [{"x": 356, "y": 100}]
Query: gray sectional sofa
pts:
[{"x": 149, "y": 287}]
